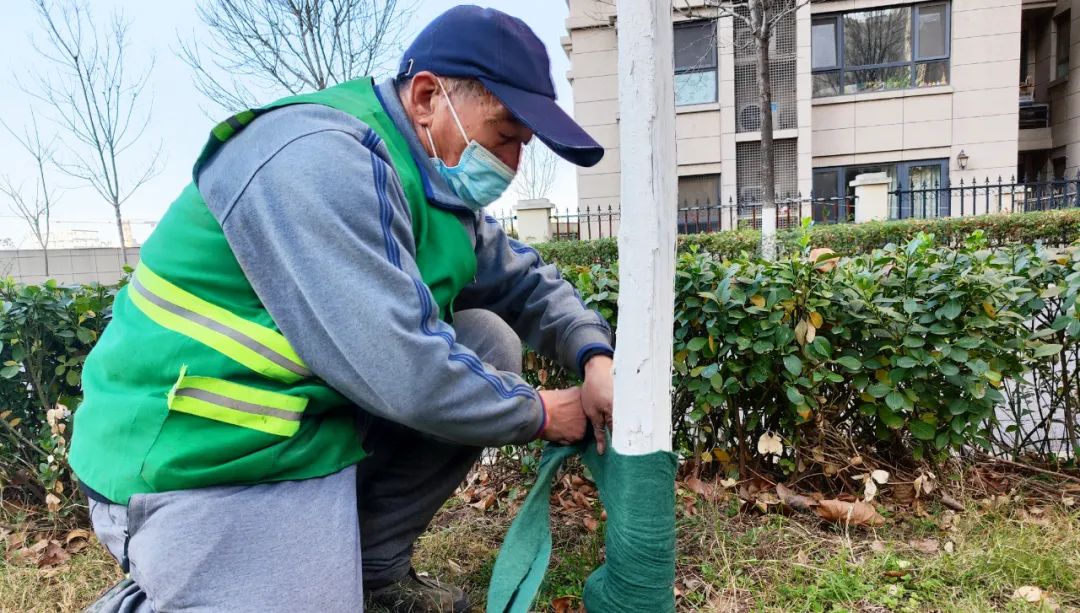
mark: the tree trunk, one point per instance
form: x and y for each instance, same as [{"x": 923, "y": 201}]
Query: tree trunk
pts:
[
  {"x": 120, "y": 232},
  {"x": 762, "y": 34}
]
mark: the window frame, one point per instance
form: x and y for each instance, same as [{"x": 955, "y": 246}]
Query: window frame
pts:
[
  {"x": 714, "y": 68},
  {"x": 682, "y": 207},
  {"x": 900, "y": 177},
  {"x": 1064, "y": 17},
  {"x": 841, "y": 69}
]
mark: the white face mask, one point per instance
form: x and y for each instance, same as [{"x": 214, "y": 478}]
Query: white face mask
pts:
[{"x": 479, "y": 177}]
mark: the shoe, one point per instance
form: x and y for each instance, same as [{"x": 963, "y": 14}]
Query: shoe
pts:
[{"x": 416, "y": 594}]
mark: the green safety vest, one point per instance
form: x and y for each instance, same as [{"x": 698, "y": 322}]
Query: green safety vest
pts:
[{"x": 192, "y": 384}]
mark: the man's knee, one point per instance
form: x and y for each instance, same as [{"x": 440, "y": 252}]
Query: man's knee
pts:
[{"x": 493, "y": 340}]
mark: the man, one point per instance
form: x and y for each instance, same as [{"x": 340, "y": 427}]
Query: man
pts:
[{"x": 323, "y": 333}]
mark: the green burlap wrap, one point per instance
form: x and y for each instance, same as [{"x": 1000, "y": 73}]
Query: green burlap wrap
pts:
[{"x": 638, "y": 493}]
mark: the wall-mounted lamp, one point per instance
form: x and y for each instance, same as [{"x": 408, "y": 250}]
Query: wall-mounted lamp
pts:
[{"x": 962, "y": 159}]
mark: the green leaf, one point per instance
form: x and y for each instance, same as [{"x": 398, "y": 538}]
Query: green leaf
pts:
[
  {"x": 895, "y": 400},
  {"x": 717, "y": 382},
  {"x": 793, "y": 364},
  {"x": 849, "y": 362},
  {"x": 889, "y": 418},
  {"x": 73, "y": 378},
  {"x": 941, "y": 441},
  {"x": 906, "y": 362},
  {"x": 958, "y": 406},
  {"x": 878, "y": 390},
  {"x": 8, "y": 372},
  {"x": 696, "y": 344},
  {"x": 85, "y": 335},
  {"x": 1046, "y": 349},
  {"x": 762, "y": 346},
  {"x": 958, "y": 424},
  {"x": 794, "y": 396},
  {"x": 951, "y": 310},
  {"x": 913, "y": 341},
  {"x": 949, "y": 369},
  {"x": 922, "y": 430}
]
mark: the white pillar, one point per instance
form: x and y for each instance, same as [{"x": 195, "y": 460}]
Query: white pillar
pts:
[
  {"x": 534, "y": 220},
  {"x": 647, "y": 231},
  {"x": 871, "y": 197}
]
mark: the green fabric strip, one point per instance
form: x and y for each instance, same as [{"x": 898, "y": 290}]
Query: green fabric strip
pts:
[{"x": 639, "y": 573}]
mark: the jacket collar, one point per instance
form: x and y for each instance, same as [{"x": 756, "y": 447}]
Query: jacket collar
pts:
[{"x": 436, "y": 189}]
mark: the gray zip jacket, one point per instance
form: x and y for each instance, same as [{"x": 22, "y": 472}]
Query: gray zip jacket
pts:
[{"x": 316, "y": 216}]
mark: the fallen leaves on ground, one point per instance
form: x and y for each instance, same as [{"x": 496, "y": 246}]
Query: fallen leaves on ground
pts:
[
  {"x": 567, "y": 604},
  {"x": 44, "y": 551},
  {"x": 855, "y": 513},
  {"x": 1035, "y": 595}
]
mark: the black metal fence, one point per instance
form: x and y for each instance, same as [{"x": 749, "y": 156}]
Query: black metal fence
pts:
[
  {"x": 931, "y": 200},
  {"x": 602, "y": 222},
  {"x": 926, "y": 201}
]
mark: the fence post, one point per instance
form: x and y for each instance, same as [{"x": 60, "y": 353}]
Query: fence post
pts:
[
  {"x": 871, "y": 197},
  {"x": 534, "y": 220}
]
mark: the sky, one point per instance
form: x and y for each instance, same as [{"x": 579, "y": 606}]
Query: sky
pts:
[{"x": 177, "y": 120}]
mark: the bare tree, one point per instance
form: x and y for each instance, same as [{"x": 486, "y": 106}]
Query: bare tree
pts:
[
  {"x": 536, "y": 172},
  {"x": 291, "y": 46},
  {"x": 96, "y": 101},
  {"x": 760, "y": 19},
  {"x": 34, "y": 206}
]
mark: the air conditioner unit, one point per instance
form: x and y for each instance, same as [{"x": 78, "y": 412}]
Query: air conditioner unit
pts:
[{"x": 783, "y": 116}]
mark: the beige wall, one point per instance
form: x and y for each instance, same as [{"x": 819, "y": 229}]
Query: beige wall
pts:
[
  {"x": 102, "y": 265},
  {"x": 976, "y": 111}
]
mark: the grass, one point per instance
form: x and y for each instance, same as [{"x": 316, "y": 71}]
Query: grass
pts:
[
  {"x": 732, "y": 562},
  {"x": 68, "y": 587}
]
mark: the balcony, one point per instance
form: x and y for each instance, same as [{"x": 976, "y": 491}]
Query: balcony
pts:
[{"x": 1034, "y": 119}]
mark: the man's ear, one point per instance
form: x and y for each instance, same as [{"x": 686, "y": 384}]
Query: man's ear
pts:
[{"x": 423, "y": 92}]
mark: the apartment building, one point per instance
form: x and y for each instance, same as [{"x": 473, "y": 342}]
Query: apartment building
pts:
[{"x": 927, "y": 92}]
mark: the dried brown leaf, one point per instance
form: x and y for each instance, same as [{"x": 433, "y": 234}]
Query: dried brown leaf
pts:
[
  {"x": 53, "y": 555},
  {"x": 952, "y": 503},
  {"x": 590, "y": 524},
  {"x": 927, "y": 546},
  {"x": 849, "y": 513},
  {"x": 76, "y": 540},
  {"x": 795, "y": 501}
]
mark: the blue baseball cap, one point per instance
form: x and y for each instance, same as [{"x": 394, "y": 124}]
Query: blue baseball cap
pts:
[{"x": 507, "y": 57}]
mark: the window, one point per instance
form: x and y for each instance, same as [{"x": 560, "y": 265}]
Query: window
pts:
[
  {"x": 880, "y": 49},
  {"x": 695, "y": 62},
  {"x": 920, "y": 183},
  {"x": 699, "y": 190},
  {"x": 699, "y": 207},
  {"x": 1062, "y": 41}
]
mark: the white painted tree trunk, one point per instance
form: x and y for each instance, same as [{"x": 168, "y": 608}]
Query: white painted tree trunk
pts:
[{"x": 647, "y": 231}]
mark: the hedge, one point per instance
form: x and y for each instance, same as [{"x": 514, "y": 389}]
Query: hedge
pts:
[
  {"x": 905, "y": 351},
  {"x": 46, "y": 331},
  {"x": 1048, "y": 227},
  {"x": 902, "y": 351}
]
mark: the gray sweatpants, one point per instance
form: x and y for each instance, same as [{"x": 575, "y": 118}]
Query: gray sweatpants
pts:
[{"x": 296, "y": 545}]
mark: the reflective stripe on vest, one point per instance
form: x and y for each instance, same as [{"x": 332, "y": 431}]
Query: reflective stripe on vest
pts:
[
  {"x": 256, "y": 347},
  {"x": 239, "y": 405}
]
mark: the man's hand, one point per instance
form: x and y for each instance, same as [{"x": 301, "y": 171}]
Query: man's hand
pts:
[
  {"x": 596, "y": 397},
  {"x": 565, "y": 419}
]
